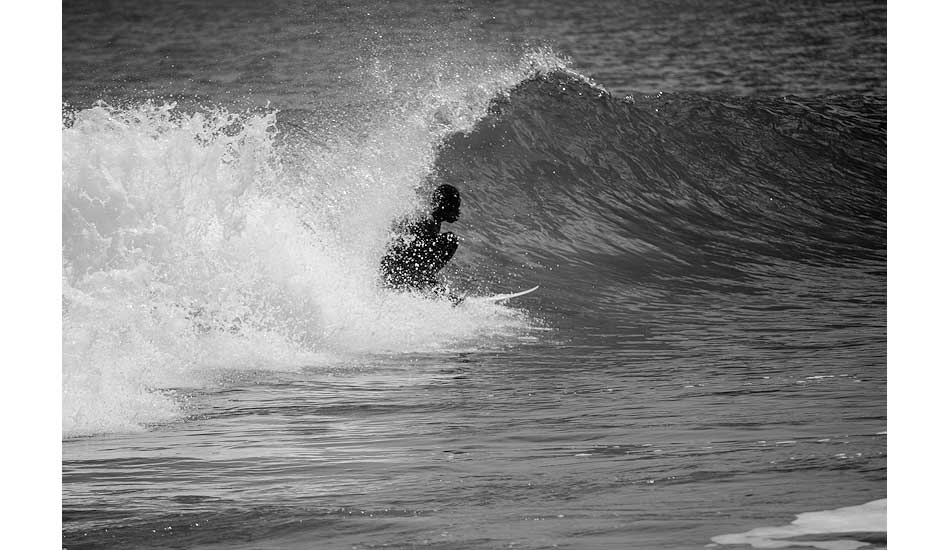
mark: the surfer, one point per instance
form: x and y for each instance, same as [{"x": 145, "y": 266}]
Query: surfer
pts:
[{"x": 417, "y": 250}]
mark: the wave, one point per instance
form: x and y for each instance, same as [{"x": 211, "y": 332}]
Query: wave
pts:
[
  {"x": 566, "y": 174},
  {"x": 197, "y": 243}
]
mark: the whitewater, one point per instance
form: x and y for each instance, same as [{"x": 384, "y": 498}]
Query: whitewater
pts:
[
  {"x": 177, "y": 222},
  {"x": 704, "y": 364}
]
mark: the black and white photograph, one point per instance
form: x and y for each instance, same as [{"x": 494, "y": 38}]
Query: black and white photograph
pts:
[{"x": 473, "y": 274}]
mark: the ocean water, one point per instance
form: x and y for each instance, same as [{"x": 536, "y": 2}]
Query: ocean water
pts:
[{"x": 699, "y": 189}]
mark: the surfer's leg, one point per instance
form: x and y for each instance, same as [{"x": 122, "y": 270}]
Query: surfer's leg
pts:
[
  {"x": 444, "y": 248},
  {"x": 416, "y": 267},
  {"x": 435, "y": 255}
]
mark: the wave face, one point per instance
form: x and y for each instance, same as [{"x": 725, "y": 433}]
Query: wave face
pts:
[
  {"x": 678, "y": 193},
  {"x": 198, "y": 244}
]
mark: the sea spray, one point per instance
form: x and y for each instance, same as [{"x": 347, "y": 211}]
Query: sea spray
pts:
[{"x": 193, "y": 242}]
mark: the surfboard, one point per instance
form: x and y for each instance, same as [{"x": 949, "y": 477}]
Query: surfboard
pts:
[{"x": 502, "y": 297}]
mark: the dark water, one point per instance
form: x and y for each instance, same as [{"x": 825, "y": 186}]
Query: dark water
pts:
[{"x": 700, "y": 191}]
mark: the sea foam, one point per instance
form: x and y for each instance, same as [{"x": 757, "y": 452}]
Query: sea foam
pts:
[
  {"x": 826, "y": 529},
  {"x": 200, "y": 241}
]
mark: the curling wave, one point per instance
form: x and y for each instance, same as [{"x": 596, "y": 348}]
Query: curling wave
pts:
[{"x": 199, "y": 243}]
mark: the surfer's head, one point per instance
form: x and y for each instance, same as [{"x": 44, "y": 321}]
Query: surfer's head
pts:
[{"x": 446, "y": 203}]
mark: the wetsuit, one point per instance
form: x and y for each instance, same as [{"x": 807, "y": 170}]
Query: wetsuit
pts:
[{"x": 416, "y": 253}]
